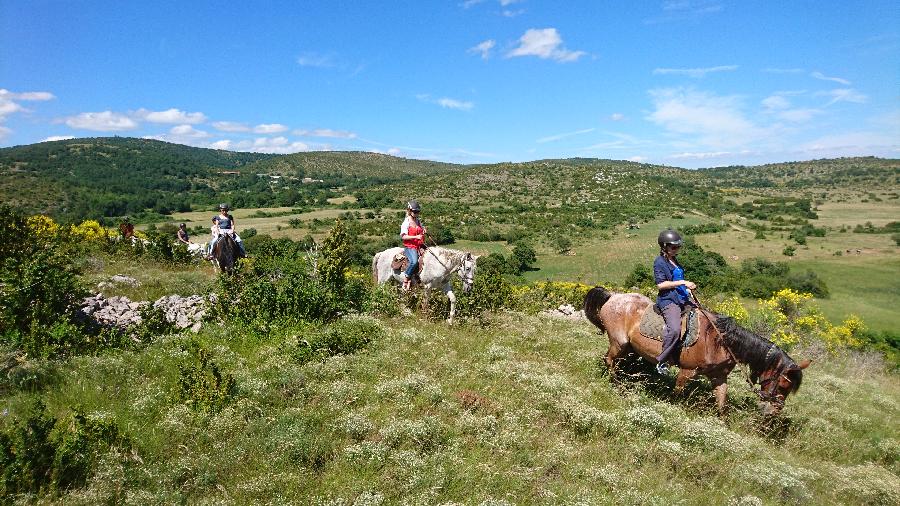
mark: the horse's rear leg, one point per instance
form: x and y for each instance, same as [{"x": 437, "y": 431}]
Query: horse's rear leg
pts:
[{"x": 684, "y": 375}]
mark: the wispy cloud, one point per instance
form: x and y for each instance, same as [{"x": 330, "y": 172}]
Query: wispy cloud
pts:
[
  {"x": 189, "y": 131},
  {"x": 823, "y": 77},
  {"x": 483, "y": 48},
  {"x": 779, "y": 106},
  {"x": 326, "y": 132},
  {"x": 703, "y": 118},
  {"x": 557, "y": 137},
  {"x": 28, "y": 95},
  {"x": 695, "y": 72},
  {"x": 685, "y": 10},
  {"x": 699, "y": 156},
  {"x": 230, "y": 126},
  {"x": 617, "y": 116},
  {"x": 446, "y": 102},
  {"x": 843, "y": 95},
  {"x": 270, "y": 128},
  {"x": 544, "y": 43},
  {"x": 171, "y": 116},
  {"x": 105, "y": 121},
  {"x": 313, "y": 59},
  {"x": 4, "y": 132},
  {"x": 9, "y": 104}
]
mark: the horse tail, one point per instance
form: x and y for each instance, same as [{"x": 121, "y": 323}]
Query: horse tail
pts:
[
  {"x": 375, "y": 267},
  {"x": 593, "y": 301}
]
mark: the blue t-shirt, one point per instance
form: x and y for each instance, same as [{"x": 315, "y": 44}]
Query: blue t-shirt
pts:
[
  {"x": 223, "y": 221},
  {"x": 663, "y": 270}
]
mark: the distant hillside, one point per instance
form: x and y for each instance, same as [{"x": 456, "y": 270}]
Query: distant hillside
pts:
[
  {"x": 351, "y": 167},
  {"x": 114, "y": 176},
  {"x": 857, "y": 173},
  {"x": 111, "y": 176}
]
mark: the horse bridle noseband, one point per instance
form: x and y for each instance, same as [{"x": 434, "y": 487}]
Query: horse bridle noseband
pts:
[{"x": 769, "y": 394}]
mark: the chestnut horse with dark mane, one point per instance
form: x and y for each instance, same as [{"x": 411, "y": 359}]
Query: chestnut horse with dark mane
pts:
[{"x": 721, "y": 344}]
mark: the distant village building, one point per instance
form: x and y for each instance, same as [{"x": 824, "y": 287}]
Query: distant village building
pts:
[{"x": 230, "y": 172}]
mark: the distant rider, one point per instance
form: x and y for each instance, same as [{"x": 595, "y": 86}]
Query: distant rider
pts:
[
  {"x": 412, "y": 233},
  {"x": 183, "y": 236},
  {"x": 126, "y": 228},
  {"x": 223, "y": 223},
  {"x": 673, "y": 295}
]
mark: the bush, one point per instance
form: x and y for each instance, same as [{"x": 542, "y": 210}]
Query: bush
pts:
[
  {"x": 39, "y": 286},
  {"x": 201, "y": 384},
  {"x": 640, "y": 275},
  {"x": 789, "y": 251},
  {"x": 343, "y": 337},
  {"x": 38, "y": 453},
  {"x": 522, "y": 258}
]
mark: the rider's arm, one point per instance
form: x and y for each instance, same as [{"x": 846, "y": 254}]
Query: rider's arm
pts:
[{"x": 665, "y": 285}]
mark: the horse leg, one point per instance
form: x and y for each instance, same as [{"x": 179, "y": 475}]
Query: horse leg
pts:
[
  {"x": 616, "y": 353},
  {"x": 448, "y": 291},
  {"x": 684, "y": 375},
  {"x": 720, "y": 387}
]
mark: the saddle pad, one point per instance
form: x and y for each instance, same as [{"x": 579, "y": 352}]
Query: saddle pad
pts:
[
  {"x": 652, "y": 326},
  {"x": 399, "y": 262}
]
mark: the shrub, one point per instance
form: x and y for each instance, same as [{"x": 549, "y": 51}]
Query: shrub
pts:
[
  {"x": 335, "y": 257},
  {"x": 339, "y": 338},
  {"x": 522, "y": 258},
  {"x": 640, "y": 275},
  {"x": 789, "y": 251},
  {"x": 383, "y": 300},
  {"x": 39, "y": 286},
  {"x": 38, "y": 453},
  {"x": 201, "y": 384}
]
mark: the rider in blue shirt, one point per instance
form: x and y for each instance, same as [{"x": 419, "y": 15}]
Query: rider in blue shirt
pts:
[
  {"x": 223, "y": 223},
  {"x": 674, "y": 295}
]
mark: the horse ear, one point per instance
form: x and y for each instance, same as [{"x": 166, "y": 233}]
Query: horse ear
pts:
[{"x": 804, "y": 364}]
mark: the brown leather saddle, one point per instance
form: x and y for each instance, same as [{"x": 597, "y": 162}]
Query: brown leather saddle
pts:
[
  {"x": 400, "y": 263},
  {"x": 653, "y": 326}
]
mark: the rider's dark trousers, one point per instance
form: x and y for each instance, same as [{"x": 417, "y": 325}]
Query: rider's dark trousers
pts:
[{"x": 671, "y": 342}]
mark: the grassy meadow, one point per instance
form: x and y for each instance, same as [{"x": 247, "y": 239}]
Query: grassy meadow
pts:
[{"x": 517, "y": 412}]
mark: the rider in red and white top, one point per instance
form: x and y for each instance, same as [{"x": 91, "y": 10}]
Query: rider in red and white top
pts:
[{"x": 412, "y": 233}]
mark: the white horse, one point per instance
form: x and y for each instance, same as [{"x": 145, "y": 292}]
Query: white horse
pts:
[
  {"x": 438, "y": 266},
  {"x": 196, "y": 249}
]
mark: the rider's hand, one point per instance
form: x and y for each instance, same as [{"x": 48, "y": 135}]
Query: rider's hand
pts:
[{"x": 690, "y": 286}]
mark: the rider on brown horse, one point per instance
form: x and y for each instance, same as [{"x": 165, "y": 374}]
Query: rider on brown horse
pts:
[{"x": 673, "y": 295}]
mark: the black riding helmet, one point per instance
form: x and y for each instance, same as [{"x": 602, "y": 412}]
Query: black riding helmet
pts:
[
  {"x": 669, "y": 237},
  {"x": 223, "y": 206},
  {"x": 413, "y": 205}
]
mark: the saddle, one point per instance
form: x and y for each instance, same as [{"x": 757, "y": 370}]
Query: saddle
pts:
[
  {"x": 652, "y": 326},
  {"x": 400, "y": 263}
]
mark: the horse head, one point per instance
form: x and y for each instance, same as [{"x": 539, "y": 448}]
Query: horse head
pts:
[
  {"x": 467, "y": 271},
  {"x": 779, "y": 382}
]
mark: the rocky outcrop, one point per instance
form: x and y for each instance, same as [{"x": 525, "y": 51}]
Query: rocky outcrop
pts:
[
  {"x": 121, "y": 312},
  {"x": 565, "y": 311}
]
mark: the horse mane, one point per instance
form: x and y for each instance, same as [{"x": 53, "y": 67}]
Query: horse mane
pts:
[{"x": 756, "y": 351}]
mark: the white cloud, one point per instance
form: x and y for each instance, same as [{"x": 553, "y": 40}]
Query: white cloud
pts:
[
  {"x": 799, "y": 115},
  {"x": 823, "y": 77},
  {"x": 4, "y": 132},
  {"x": 617, "y": 116},
  {"x": 8, "y": 107},
  {"x": 222, "y": 144},
  {"x": 509, "y": 13},
  {"x": 545, "y": 44},
  {"x": 230, "y": 126},
  {"x": 557, "y": 137},
  {"x": 28, "y": 95},
  {"x": 270, "y": 128},
  {"x": 853, "y": 144},
  {"x": 696, "y": 72},
  {"x": 315, "y": 60},
  {"x": 106, "y": 121},
  {"x": 57, "y": 138},
  {"x": 171, "y": 116},
  {"x": 843, "y": 95},
  {"x": 699, "y": 156},
  {"x": 326, "y": 132},
  {"x": 394, "y": 151},
  {"x": 188, "y": 131},
  {"x": 452, "y": 103},
  {"x": 638, "y": 159},
  {"x": 279, "y": 145},
  {"x": 775, "y": 102},
  {"x": 483, "y": 48},
  {"x": 703, "y": 118}
]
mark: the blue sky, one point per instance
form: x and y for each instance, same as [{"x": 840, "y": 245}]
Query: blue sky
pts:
[{"x": 690, "y": 83}]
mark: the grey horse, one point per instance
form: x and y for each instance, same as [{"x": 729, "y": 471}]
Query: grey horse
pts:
[{"x": 438, "y": 267}]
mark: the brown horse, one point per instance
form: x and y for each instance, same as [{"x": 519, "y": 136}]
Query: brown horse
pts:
[
  {"x": 721, "y": 345},
  {"x": 225, "y": 253}
]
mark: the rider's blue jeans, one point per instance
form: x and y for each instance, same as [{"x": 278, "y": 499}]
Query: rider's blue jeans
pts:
[{"x": 413, "y": 255}]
